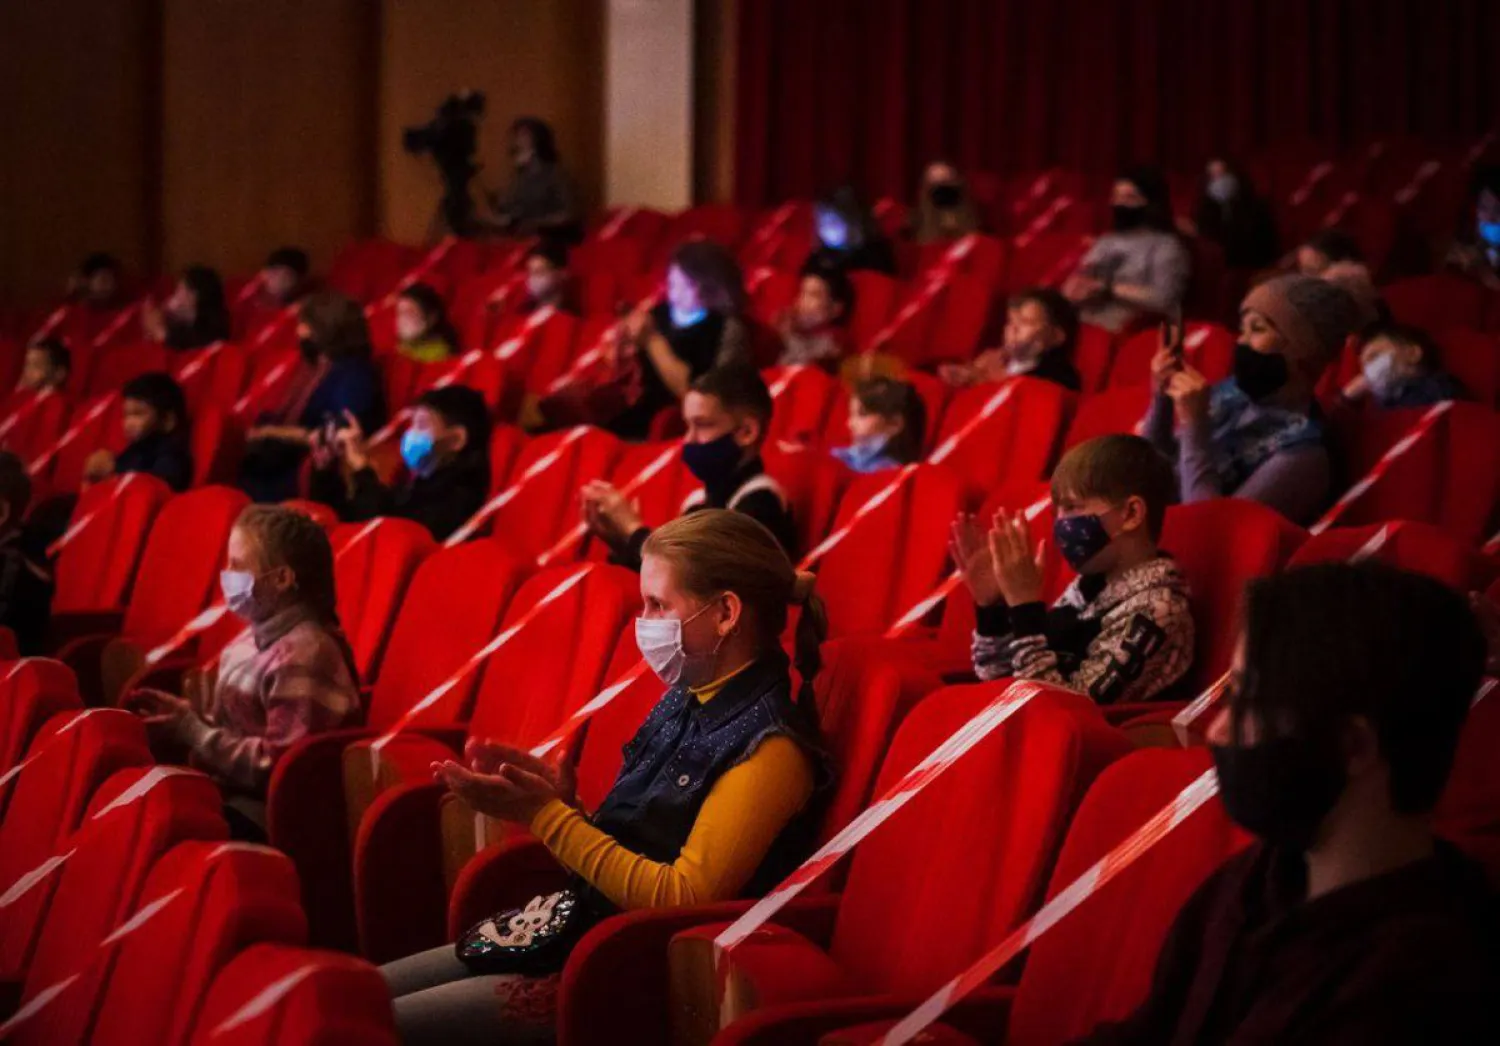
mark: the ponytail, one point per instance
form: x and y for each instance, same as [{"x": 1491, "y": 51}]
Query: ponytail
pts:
[{"x": 807, "y": 644}]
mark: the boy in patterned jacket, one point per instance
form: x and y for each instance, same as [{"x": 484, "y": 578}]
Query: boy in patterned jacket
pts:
[{"x": 1123, "y": 631}]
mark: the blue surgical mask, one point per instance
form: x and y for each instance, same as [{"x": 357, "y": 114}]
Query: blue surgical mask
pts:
[
  {"x": 1080, "y": 539},
  {"x": 1489, "y": 232},
  {"x": 682, "y": 318},
  {"x": 864, "y": 455},
  {"x": 833, "y": 232},
  {"x": 416, "y": 449}
]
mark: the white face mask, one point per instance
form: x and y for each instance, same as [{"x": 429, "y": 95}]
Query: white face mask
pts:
[
  {"x": 1381, "y": 371},
  {"x": 660, "y": 643},
  {"x": 238, "y": 587},
  {"x": 409, "y": 330}
]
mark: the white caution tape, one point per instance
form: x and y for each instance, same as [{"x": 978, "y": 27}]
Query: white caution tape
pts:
[
  {"x": 262, "y": 1002},
  {"x": 1423, "y": 426},
  {"x": 639, "y": 480},
  {"x": 506, "y": 496}
]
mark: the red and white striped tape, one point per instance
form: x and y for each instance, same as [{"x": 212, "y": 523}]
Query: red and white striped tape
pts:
[
  {"x": 1492, "y": 546},
  {"x": 1423, "y": 426},
  {"x": 1043, "y": 221},
  {"x": 616, "y": 225},
  {"x": 51, "y": 323},
  {"x": 1420, "y": 177},
  {"x": 251, "y": 288},
  {"x": 506, "y": 496},
  {"x": 419, "y": 272},
  {"x": 591, "y": 708},
  {"x": 118, "y": 323},
  {"x": 264, "y": 385},
  {"x": 25, "y": 410},
  {"x": 1314, "y": 175},
  {"x": 639, "y": 480},
  {"x": 200, "y": 360},
  {"x": 80, "y": 525},
  {"x": 476, "y": 659},
  {"x": 508, "y": 348},
  {"x": 73, "y": 432}
]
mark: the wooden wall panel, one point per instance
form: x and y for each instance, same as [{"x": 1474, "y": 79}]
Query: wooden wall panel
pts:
[
  {"x": 267, "y": 128},
  {"x": 530, "y": 57},
  {"x": 75, "y": 93}
]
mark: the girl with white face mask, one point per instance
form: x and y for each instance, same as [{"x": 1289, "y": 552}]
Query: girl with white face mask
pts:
[{"x": 717, "y": 798}]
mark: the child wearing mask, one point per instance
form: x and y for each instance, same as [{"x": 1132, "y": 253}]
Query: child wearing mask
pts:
[
  {"x": 945, "y": 211},
  {"x": 815, "y": 330},
  {"x": 887, "y": 423},
  {"x": 1140, "y": 270},
  {"x": 727, "y": 412},
  {"x": 1347, "y": 921},
  {"x": 1123, "y": 630},
  {"x": 25, "y": 582},
  {"x": 1258, "y": 434},
  {"x": 446, "y": 451},
  {"x": 194, "y": 316},
  {"x": 154, "y": 417},
  {"x": 423, "y": 331},
  {"x": 1399, "y": 368},
  {"x": 291, "y": 674},
  {"x": 1041, "y": 328}
]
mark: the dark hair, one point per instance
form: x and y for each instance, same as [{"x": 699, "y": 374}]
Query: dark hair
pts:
[
  {"x": 337, "y": 323},
  {"x": 158, "y": 390},
  {"x": 436, "y": 310},
  {"x": 461, "y": 405},
  {"x": 1404, "y": 334},
  {"x": 99, "y": 261},
  {"x": 208, "y": 291},
  {"x": 542, "y": 138},
  {"x": 1115, "y": 468},
  {"x": 892, "y": 398},
  {"x": 58, "y": 355},
  {"x": 713, "y": 270},
  {"x": 740, "y": 389},
  {"x": 15, "y": 487},
  {"x": 1329, "y": 642},
  {"x": 1061, "y": 313},
  {"x": 294, "y": 258},
  {"x": 551, "y": 250},
  {"x": 1336, "y": 245},
  {"x": 840, "y": 287},
  {"x": 1152, "y": 184}
]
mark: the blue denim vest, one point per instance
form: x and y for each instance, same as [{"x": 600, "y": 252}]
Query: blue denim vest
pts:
[{"x": 683, "y": 747}]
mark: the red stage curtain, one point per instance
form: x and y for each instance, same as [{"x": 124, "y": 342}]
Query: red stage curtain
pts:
[{"x": 866, "y": 91}]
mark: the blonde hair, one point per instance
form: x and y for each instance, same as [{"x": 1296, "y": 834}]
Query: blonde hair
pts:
[{"x": 718, "y": 550}]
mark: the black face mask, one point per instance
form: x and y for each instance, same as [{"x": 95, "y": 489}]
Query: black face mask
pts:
[
  {"x": 713, "y": 462},
  {"x": 1280, "y": 790},
  {"x": 309, "y": 349},
  {"x": 1128, "y": 218},
  {"x": 945, "y": 195},
  {"x": 1259, "y": 374}
]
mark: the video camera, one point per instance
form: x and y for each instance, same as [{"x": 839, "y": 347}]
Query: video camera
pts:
[{"x": 451, "y": 138}]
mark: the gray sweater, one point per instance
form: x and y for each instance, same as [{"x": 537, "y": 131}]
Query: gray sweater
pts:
[{"x": 1147, "y": 258}]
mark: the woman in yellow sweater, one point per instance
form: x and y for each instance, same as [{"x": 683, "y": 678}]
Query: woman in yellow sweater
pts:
[{"x": 718, "y": 796}]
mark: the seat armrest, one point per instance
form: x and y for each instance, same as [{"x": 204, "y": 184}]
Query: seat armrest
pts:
[{"x": 69, "y": 625}]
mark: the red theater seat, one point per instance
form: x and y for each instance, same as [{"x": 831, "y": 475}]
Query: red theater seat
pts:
[
  {"x": 545, "y": 506},
  {"x": 32, "y": 691},
  {"x": 373, "y": 566},
  {"x": 1016, "y": 443},
  {"x": 1114, "y": 411},
  {"x": 95, "y": 568},
  {"x": 1439, "y": 301},
  {"x": 1410, "y": 546},
  {"x": 803, "y": 397},
  {"x": 1208, "y": 347}
]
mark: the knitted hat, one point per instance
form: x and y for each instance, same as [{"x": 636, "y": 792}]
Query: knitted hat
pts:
[{"x": 1314, "y": 316}]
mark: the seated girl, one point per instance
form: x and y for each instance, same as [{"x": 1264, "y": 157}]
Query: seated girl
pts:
[
  {"x": 194, "y": 316},
  {"x": 289, "y": 674},
  {"x": 423, "y": 331},
  {"x": 716, "y": 586},
  {"x": 887, "y": 423}
]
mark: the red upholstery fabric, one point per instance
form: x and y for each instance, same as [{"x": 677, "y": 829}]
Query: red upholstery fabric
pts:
[
  {"x": 371, "y": 577},
  {"x": 1117, "y": 410},
  {"x": 1469, "y": 811},
  {"x": 661, "y": 497},
  {"x": 1410, "y": 546},
  {"x": 101, "y": 432},
  {"x": 1016, "y": 443},
  {"x": 32, "y": 691},
  {"x": 1093, "y": 356},
  {"x": 1474, "y": 359},
  {"x": 945, "y": 326},
  {"x": 38, "y": 428},
  {"x": 802, "y": 409},
  {"x": 813, "y": 482},
  {"x": 1208, "y": 347},
  {"x": 319, "y": 513},
  {"x": 1439, "y": 301},
  {"x": 547, "y": 351},
  {"x": 864, "y": 587},
  {"x": 95, "y": 570},
  {"x": 547, "y": 506},
  {"x": 505, "y": 447},
  {"x": 114, "y": 366},
  {"x": 273, "y": 995},
  {"x": 984, "y": 259},
  {"x": 212, "y": 377},
  {"x": 874, "y": 303}
]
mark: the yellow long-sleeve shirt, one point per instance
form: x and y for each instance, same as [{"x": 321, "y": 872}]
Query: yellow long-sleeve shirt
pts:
[{"x": 740, "y": 818}]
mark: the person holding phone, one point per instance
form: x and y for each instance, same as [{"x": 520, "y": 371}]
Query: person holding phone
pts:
[{"x": 1258, "y": 434}]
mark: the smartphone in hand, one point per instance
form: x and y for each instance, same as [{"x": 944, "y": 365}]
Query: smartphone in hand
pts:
[{"x": 1171, "y": 337}]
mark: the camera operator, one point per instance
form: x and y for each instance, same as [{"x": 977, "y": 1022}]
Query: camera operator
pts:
[
  {"x": 540, "y": 199},
  {"x": 450, "y": 138}
]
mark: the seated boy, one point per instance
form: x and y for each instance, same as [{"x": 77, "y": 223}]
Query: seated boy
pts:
[
  {"x": 154, "y": 418},
  {"x": 1041, "y": 328},
  {"x": 549, "y": 282},
  {"x": 25, "y": 583},
  {"x": 1399, "y": 367},
  {"x": 815, "y": 330},
  {"x": 446, "y": 448},
  {"x": 1123, "y": 631},
  {"x": 727, "y": 411},
  {"x": 1347, "y": 921},
  {"x": 47, "y": 366}
]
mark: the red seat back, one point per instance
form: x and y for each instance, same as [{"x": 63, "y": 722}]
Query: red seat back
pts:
[
  {"x": 451, "y": 609},
  {"x": 1093, "y": 357},
  {"x": 217, "y": 444},
  {"x": 864, "y": 586},
  {"x": 212, "y": 376},
  {"x": 114, "y": 366},
  {"x": 95, "y": 569},
  {"x": 546, "y": 505},
  {"x": 1208, "y": 347},
  {"x": 813, "y": 483},
  {"x": 600, "y": 758},
  {"x": 1410, "y": 546},
  {"x": 803, "y": 397},
  {"x": 1474, "y": 359},
  {"x": 1469, "y": 811},
  {"x": 32, "y": 691},
  {"x": 373, "y": 565},
  {"x": 1014, "y": 444},
  {"x": 39, "y": 421},
  {"x": 1435, "y": 302},
  {"x": 1114, "y": 411},
  {"x": 874, "y": 303},
  {"x": 95, "y": 425},
  {"x": 901, "y": 928},
  {"x": 1133, "y": 912},
  {"x": 661, "y": 497}
]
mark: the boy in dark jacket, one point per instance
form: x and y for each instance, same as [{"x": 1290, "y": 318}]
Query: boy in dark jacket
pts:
[{"x": 154, "y": 417}]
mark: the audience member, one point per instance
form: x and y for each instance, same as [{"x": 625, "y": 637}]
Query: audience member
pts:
[
  {"x": 153, "y": 415},
  {"x": 887, "y": 426},
  {"x": 1123, "y": 630},
  {"x": 549, "y": 282},
  {"x": 1258, "y": 434},
  {"x": 716, "y": 587},
  {"x": 815, "y": 330},
  {"x": 1140, "y": 270},
  {"x": 1475, "y": 252},
  {"x": 848, "y": 237},
  {"x": 46, "y": 368},
  {"x": 25, "y": 581},
  {"x": 945, "y": 211},
  {"x": 1233, "y": 215},
  {"x": 446, "y": 448},
  {"x": 290, "y": 675},
  {"x": 700, "y": 326},
  {"x": 423, "y": 331},
  {"x": 97, "y": 284},
  {"x": 335, "y": 379},
  {"x": 283, "y": 278},
  {"x": 1347, "y": 921},
  {"x": 1041, "y": 330},
  {"x": 540, "y": 199},
  {"x": 728, "y": 412},
  {"x": 1400, "y": 367},
  {"x": 1325, "y": 248},
  {"x": 193, "y": 316}
]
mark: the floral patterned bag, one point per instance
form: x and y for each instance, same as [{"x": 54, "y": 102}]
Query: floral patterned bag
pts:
[{"x": 533, "y": 940}]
